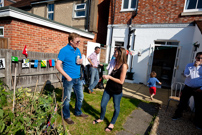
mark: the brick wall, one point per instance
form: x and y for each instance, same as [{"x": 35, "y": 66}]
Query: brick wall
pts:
[
  {"x": 152, "y": 11},
  {"x": 36, "y": 38},
  {"x": 102, "y": 55}
]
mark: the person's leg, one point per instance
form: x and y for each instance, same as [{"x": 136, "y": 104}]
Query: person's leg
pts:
[
  {"x": 78, "y": 91},
  {"x": 105, "y": 99},
  {"x": 66, "y": 97},
  {"x": 116, "y": 100},
  {"x": 198, "y": 109},
  {"x": 186, "y": 94},
  {"x": 92, "y": 78}
]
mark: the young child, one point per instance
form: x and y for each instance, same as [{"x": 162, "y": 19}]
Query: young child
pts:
[{"x": 152, "y": 84}]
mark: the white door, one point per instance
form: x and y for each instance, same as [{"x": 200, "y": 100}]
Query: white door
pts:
[
  {"x": 90, "y": 49},
  {"x": 150, "y": 61},
  {"x": 176, "y": 65}
]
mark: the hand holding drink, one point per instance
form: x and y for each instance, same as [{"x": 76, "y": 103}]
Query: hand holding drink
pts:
[{"x": 78, "y": 60}]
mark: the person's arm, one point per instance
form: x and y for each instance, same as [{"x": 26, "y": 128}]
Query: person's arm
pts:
[
  {"x": 90, "y": 61},
  {"x": 122, "y": 76},
  {"x": 60, "y": 69},
  {"x": 158, "y": 81},
  {"x": 187, "y": 71}
]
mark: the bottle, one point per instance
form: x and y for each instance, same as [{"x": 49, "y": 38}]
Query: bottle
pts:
[{"x": 77, "y": 58}]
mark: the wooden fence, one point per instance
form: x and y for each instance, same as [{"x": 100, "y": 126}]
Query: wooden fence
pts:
[
  {"x": 3, "y": 43},
  {"x": 27, "y": 77}
]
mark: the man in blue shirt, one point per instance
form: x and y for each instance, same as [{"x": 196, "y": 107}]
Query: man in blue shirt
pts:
[
  {"x": 68, "y": 64},
  {"x": 193, "y": 86}
]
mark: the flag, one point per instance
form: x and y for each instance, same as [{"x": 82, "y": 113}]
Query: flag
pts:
[
  {"x": 52, "y": 63},
  {"x": 43, "y": 63},
  {"x": 127, "y": 52},
  {"x": 132, "y": 52},
  {"x": 14, "y": 59},
  {"x": 25, "y": 63},
  {"x": 34, "y": 63},
  {"x": 25, "y": 51}
]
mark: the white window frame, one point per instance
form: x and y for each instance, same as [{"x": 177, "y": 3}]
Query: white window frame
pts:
[
  {"x": 2, "y": 2},
  {"x": 2, "y": 27},
  {"x": 50, "y": 12},
  {"x": 191, "y": 10},
  {"x": 129, "y": 5},
  {"x": 75, "y": 10}
]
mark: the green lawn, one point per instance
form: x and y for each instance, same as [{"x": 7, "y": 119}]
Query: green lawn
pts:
[{"x": 91, "y": 106}]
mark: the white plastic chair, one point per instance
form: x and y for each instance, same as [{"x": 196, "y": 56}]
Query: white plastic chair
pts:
[{"x": 176, "y": 89}]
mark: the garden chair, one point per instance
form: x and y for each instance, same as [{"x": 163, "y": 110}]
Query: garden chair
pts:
[{"x": 176, "y": 89}]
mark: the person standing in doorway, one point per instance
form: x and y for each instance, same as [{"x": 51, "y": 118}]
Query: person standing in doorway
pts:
[
  {"x": 193, "y": 87},
  {"x": 68, "y": 64},
  {"x": 94, "y": 62}
]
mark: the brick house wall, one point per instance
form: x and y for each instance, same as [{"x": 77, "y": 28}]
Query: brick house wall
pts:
[
  {"x": 152, "y": 12},
  {"x": 37, "y": 38}
]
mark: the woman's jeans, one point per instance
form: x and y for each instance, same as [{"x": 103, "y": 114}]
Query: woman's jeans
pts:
[
  {"x": 116, "y": 99},
  {"x": 76, "y": 84},
  {"x": 94, "y": 78}
]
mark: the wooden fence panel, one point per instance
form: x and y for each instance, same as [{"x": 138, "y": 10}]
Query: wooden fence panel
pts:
[
  {"x": 27, "y": 77},
  {"x": 3, "y": 43}
]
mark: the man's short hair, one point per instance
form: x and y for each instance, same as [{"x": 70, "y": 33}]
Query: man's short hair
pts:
[
  {"x": 72, "y": 36},
  {"x": 198, "y": 53},
  {"x": 97, "y": 47}
]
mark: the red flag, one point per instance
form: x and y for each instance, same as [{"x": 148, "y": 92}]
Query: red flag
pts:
[
  {"x": 127, "y": 52},
  {"x": 25, "y": 51}
]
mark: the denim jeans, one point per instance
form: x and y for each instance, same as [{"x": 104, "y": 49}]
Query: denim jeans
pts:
[
  {"x": 76, "y": 84},
  {"x": 116, "y": 99},
  {"x": 93, "y": 79}
]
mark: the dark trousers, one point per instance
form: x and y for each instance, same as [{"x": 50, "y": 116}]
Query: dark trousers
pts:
[{"x": 187, "y": 92}]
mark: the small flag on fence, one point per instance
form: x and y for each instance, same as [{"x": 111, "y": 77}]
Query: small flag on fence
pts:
[
  {"x": 52, "y": 63},
  {"x": 25, "y": 51},
  {"x": 2, "y": 63},
  {"x": 43, "y": 63},
  {"x": 14, "y": 59},
  {"x": 34, "y": 63},
  {"x": 25, "y": 63}
]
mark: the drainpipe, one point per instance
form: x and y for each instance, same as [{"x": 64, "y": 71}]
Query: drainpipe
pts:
[
  {"x": 131, "y": 31},
  {"x": 88, "y": 15},
  {"x": 111, "y": 33}
]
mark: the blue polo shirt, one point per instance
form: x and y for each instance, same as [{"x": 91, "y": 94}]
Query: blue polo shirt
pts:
[{"x": 68, "y": 57}]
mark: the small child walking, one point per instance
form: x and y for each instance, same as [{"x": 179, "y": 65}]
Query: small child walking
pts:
[{"x": 152, "y": 84}]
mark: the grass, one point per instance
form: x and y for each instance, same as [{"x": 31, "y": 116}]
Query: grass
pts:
[{"x": 91, "y": 107}]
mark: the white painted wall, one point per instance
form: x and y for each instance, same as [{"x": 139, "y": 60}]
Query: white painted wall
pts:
[
  {"x": 146, "y": 36},
  {"x": 90, "y": 49}
]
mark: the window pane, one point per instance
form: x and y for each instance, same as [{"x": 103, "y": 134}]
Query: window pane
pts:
[
  {"x": 1, "y": 32},
  {"x": 119, "y": 43},
  {"x": 191, "y": 4},
  {"x": 80, "y": 6},
  {"x": 133, "y": 3},
  {"x": 172, "y": 43},
  {"x": 160, "y": 42},
  {"x": 125, "y": 4},
  {"x": 50, "y": 7},
  {"x": 50, "y": 16},
  {"x": 0, "y": 5},
  {"x": 199, "y": 4},
  {"x": 80, "y": 13}
]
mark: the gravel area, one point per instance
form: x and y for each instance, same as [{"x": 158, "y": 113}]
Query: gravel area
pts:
[{"x": 164, "y": 125}]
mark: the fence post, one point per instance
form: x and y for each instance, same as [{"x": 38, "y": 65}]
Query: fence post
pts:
[{"x": 8, "y": 68}]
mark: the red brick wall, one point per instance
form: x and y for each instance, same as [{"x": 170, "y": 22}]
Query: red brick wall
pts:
[
  {"x": 36, "y": 38},
  {"x": 152, "y": 11}
]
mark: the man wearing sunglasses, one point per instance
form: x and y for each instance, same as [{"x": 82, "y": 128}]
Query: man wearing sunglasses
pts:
[
  {"x": 68, "y": 64},
  {"x": 193, "y": 87}
]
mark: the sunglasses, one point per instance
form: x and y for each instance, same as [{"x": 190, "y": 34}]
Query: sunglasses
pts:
[
  {"x": 77, "y": 42},
  {"x": 199, "y": 57}
]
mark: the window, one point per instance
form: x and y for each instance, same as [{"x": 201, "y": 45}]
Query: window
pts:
[
  {"x": 193, "y": 5},
  {"x": 166, "y": 42},
  {"x": 128, "y": 5},
  {"x": 80, "y": 10},
  {"x": 1, "y": 31},
  {"x": 1, "y": 3},
  {"x": 51, "y": 11},
  {"x": 119, "y": 44}
]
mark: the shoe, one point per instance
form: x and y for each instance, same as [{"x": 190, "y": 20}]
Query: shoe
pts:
[
  {"x": 82, "y": 115},
  {"x": 110, "y": 129},
  {"x": 89, "y": 91},
  {"x": 69, "y": 121},
  {"x": 176, "y": 117},
  {"x": 93, "y": 92}
]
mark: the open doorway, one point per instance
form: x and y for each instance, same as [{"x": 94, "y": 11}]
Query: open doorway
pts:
[{"x": 163, "y": 63}]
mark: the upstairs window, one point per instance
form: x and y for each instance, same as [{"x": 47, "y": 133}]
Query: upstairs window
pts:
[
  {"x": 1, "y": 3},
  {"x": 80, "y": 10},
  {"x": 193, "y": 5},
  {"x": 51, "y": 11},
  {"x": 1, "y": 31},
  {"x": 128, "y": 5}
]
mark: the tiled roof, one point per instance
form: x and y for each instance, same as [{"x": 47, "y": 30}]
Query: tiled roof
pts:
[
  {"x": 25, "y": 3},
  {"x": 199, "y": 24}
]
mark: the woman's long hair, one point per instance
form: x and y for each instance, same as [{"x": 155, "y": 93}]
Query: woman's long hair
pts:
[{"x": 121, "y": 58}]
